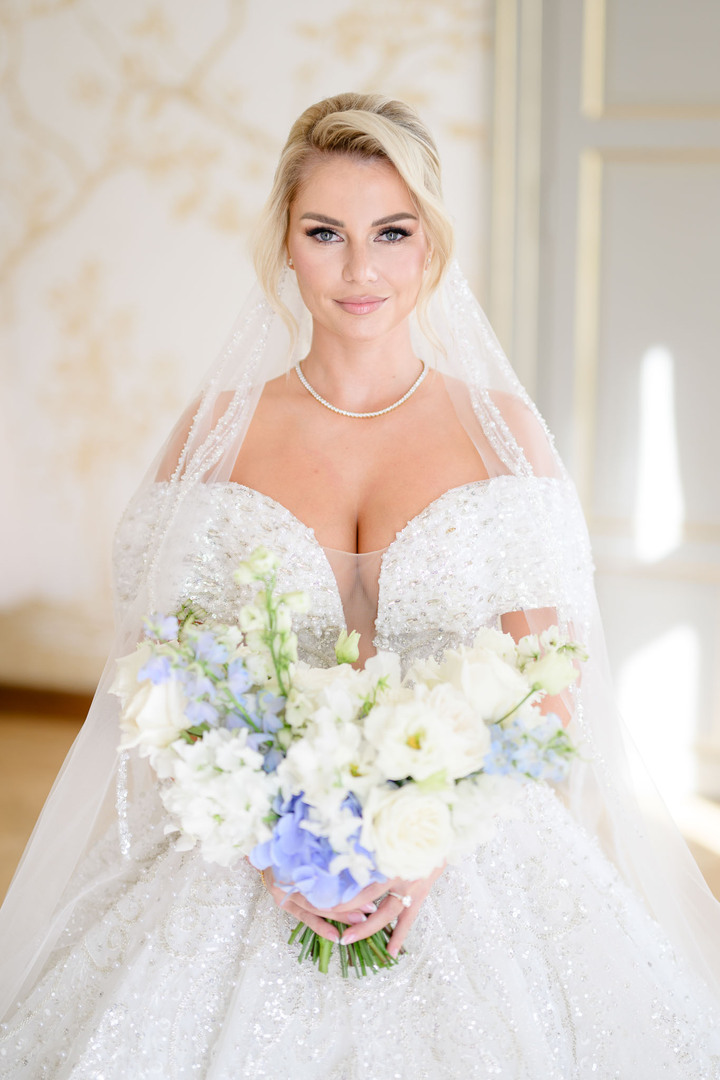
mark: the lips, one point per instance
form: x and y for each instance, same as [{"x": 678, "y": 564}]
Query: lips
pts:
[{"x": 360, "y": 305}]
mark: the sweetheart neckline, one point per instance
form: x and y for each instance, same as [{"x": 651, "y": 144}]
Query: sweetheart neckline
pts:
[{"x": 377, "y": 551}]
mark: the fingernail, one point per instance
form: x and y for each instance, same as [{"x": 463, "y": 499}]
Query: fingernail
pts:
[
  {"x": 348, "y": 938},
  {"x": 369, "y": 908},
  {"x": 355, "y": 917}
]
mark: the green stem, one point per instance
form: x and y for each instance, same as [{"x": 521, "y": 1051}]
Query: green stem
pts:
[{"x": 515, "y": 708}]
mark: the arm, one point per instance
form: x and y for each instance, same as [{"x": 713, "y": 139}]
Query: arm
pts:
[{"x": 518, "y": 625}]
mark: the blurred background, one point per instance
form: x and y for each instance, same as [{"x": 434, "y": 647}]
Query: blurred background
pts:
[{"x": 581, "y": 149}]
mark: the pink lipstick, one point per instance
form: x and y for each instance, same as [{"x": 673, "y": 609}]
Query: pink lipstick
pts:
[{"x": 360, "y": 305}]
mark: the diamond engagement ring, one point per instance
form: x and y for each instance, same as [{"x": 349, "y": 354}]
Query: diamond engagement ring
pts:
[{"x": 406, "y": 900}]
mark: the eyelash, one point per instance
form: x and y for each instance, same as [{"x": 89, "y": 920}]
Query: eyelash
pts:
[{"x": 390, "y": 229}]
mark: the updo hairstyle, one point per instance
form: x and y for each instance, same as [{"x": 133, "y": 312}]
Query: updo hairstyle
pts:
[{"x": 365, "y": 126}]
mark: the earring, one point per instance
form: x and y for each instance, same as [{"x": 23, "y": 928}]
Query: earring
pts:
[{"x": 290, "y": 262}]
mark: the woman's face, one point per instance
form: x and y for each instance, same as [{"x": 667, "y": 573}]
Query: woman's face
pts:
[{"x": 357, "y": 246}]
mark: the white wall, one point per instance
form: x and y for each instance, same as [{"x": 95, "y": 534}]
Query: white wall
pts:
[{"x": 139, "y": 139}]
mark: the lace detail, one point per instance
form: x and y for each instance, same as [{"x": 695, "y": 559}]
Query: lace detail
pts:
[
  {"x": 465, "y": 560},
  {"x": 530, "y": 959}
]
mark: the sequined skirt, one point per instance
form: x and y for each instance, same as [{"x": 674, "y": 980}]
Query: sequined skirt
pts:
[{"x": 529, "y": 961}]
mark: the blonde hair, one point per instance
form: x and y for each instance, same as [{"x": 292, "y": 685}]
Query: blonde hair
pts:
[{"x": 365, "y": 126}]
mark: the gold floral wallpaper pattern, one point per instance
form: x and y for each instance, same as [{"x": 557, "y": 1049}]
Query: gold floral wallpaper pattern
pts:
[{"x": 138, "y": 142}]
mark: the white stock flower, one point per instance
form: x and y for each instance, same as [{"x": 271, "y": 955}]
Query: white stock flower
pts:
[
  {"x": 260, "y": 564},
  {"x": 408, "y": 829},
  {"x": 295, "y": 601},
  {"x": 220, "y": 795},
  {"x": 328, "y": 750},
  {"x": 528, "y": 649},
  {"x": 253, "y": 618}
]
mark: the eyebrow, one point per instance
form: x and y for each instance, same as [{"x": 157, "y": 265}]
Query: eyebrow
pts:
[{"x": 403, "y": 216}]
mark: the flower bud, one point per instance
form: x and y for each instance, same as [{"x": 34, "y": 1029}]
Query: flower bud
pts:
[{"x": 346, "y": 647}]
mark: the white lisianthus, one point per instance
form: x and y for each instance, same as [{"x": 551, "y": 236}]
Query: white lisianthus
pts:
[
  {"x": 551, "y": 673},
  {"x": 343, "y": 689},
  {"x": 152, "y": 716},
  {"x": 383, "y": 666},
  {"x": 408, "y": 830},
  {"x": 422, "y": 732},
  {"x": 426, "y": 672}
]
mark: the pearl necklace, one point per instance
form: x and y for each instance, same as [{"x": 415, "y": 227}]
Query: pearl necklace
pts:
[{"x": 361, "y": 415}]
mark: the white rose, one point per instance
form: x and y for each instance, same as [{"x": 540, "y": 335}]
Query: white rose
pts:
[
  {"x": 125, "y": 684},
  {"x": 409, "y": 830},
  {"x": 154, "y": 716}
]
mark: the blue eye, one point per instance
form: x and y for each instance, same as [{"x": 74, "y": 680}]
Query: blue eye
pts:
[
  {"x": 325, "y": 236},
  {"x": 393, "y": 235}
]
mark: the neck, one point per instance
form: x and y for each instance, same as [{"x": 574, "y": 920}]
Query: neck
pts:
[{"x": 361, "y": 375}]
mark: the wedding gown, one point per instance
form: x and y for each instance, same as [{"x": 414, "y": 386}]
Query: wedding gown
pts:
[{"x": 531, "y": 960}]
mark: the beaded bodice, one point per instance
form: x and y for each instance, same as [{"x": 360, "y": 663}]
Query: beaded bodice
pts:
[{"x": 472, "y": 554}]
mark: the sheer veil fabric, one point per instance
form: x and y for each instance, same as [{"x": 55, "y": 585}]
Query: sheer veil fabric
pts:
[{"x": 101, "y": 793}]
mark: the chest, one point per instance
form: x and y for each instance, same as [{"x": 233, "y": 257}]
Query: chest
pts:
[
  {"x": 357, "y": 483},
  {"x": 466, "y": 559}
]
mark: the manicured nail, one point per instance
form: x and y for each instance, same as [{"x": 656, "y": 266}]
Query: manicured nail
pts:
[
  {"x": 370, "y": 909},
  {"x": 348, "y": 938},
  {"x": 355, "y": 917}
]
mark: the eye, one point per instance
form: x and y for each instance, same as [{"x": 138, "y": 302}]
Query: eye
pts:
[
  {"x": 393, "y": 234},
  {"x": 324, "y": 235}
]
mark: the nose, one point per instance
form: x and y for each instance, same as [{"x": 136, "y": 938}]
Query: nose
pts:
[{"x": 359, "y": 263}]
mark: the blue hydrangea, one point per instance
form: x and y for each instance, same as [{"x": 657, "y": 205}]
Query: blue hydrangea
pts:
[{"x": 299, "y": 857}]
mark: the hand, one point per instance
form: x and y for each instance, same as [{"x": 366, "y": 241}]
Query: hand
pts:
[
  {"x": 391, "y": 908},
  {"x": 296, "y": 905}
]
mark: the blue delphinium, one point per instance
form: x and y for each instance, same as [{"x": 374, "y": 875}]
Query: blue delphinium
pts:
[
  {"x": 540, "y": 753},
  {"x": 159, "y": 627},
  {"x": 157, "y": 669}
]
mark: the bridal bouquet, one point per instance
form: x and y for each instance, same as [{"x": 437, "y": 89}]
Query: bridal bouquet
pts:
[{"x": 336, "y": 777}]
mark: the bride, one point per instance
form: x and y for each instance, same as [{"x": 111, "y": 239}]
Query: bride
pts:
[{"x": 363, "y": 423}]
